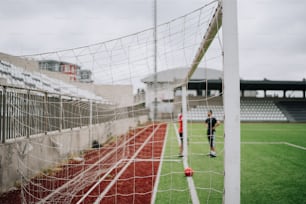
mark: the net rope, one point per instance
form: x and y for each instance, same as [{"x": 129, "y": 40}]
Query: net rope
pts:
[{"x": 75, "y": 173}]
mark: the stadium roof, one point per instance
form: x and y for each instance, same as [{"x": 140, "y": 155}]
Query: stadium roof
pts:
[
  {"x": 213, "y": 78},
  {"x": 251, "y": 85},
  {"x": 178, "y": 74}
]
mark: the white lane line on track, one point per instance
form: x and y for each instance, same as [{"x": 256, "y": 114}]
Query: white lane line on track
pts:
[
  {"x": 67, "y": 184},
  {"x": 100, "y": 197}
]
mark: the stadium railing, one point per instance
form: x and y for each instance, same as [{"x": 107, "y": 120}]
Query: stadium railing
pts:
[{"x": 27, "y": 112}]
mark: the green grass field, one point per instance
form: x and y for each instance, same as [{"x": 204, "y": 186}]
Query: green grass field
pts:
[{"x": 273, "y": 169}]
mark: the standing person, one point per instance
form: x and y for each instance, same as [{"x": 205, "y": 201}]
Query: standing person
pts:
[
  {"x": 180, "y": 130},
  {"x": 211, "y": 123}
]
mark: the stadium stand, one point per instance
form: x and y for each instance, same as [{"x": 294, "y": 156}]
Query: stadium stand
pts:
[
  {"x": 295, "y": 110},
  {"x": 260, "y": 109},
  {"x": 16, "y": 76},
  {"x": 251, "y": 109},
  {"x": 200, "y": 112}
]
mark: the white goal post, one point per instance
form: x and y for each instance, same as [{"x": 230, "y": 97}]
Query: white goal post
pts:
[
  {"x": 231, "y": 103},
  {"x": 226, "y": 15}
]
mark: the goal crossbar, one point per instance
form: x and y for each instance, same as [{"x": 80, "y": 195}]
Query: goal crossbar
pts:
[{"x": 209, "y": 36}]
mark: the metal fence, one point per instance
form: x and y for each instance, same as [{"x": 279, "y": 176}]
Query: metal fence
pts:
[{"x": 26, "y": 112}]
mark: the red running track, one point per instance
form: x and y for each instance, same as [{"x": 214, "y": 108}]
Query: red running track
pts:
[{"x": 136, "y": 173}]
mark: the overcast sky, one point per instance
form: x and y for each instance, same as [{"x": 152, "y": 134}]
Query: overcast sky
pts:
[{"x": 272, "y": 33}]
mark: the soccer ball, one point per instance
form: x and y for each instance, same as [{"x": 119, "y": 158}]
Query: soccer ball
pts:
[{"x": 188, "y": 171}]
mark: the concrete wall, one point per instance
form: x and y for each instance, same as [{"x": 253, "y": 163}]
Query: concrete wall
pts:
[
  {"x": 122, "y": 95},
  {"x": 30, "y": 156},
  {"x": 165, "y": 91}
]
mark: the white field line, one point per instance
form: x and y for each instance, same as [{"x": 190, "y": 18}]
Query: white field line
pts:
[
  {"x": 276, "y": 143},
  {"x": 65, "y": 186},
  {"x": 152, "y": 160},
  {"x": 153, "y": 197},
  {"x": 282, "y": 143},
  {"x": 211, "y": 189},
  {"x": 192, "y": 189},
  {"x": 204, "y": 142},
  {"x": 296, "y": 146},
  {"x": 100, "y": 197},
  {"x": 254, "y": 143},
  {"x": 261, "y": 143}
]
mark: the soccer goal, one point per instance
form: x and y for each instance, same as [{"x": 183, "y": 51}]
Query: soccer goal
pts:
[{"x": 99, "y": 123}]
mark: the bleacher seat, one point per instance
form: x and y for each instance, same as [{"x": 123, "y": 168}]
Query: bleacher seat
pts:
[
  {"x": 251, "y": 109},
  {"x": 17, "y": 76}
]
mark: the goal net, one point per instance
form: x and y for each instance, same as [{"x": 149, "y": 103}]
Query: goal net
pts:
[{"x": 87, "y": 116}]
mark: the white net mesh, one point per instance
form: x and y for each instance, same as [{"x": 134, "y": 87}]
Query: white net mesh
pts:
[{"x": 95, "y": 142}]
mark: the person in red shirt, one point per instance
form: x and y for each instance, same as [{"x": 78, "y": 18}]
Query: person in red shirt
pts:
[{"x": 180, "y": 130}]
